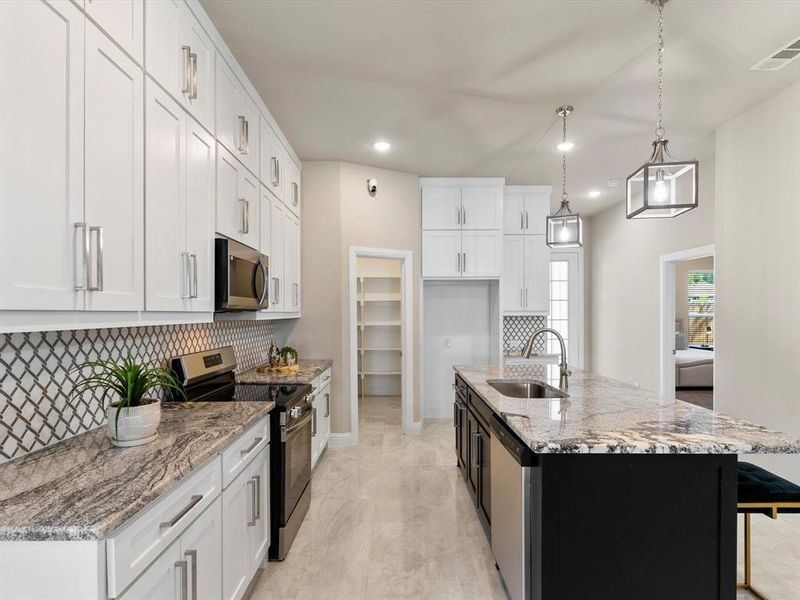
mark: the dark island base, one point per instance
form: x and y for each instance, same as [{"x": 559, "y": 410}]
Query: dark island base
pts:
[{"x": 634, "y": 527}]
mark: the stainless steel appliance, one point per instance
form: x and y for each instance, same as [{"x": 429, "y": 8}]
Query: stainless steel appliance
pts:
[
  {"x": 513, "y": 483},
  {"x": 208, "y": 376},
  {"x": 241, "y": 277}
]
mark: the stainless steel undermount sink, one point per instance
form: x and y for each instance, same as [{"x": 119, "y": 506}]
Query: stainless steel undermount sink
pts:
[{"x": 526, "y": 389}]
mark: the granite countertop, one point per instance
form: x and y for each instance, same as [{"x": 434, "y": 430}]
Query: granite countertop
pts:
[
  {"x": 602, "y": 415},
  {"x": 309, "y": 369},
  {"x": 84, "y": 488}
]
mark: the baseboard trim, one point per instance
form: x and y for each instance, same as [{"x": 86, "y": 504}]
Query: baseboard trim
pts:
[
  {"x": 414, "y": 428},
  {"x": 342, "y": 440}
]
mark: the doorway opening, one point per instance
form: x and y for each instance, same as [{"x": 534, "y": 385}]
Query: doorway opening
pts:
[
  {"x": 687, "y": 326},
  {"x": 381, "y": 330}
]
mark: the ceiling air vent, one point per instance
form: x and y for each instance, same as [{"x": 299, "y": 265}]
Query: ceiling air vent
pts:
[{"x": 780, "y": 58}]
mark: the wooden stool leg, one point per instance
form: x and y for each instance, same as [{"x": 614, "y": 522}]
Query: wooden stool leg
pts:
[{"x": 747, "y": 585}]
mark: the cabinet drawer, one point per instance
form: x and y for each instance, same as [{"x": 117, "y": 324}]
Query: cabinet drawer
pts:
[
  {"x": 138, "y": 543},
  {"x": 236, "y": 456}
]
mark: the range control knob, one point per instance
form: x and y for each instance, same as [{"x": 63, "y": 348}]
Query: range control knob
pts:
[{"x": 295, "y": 412}]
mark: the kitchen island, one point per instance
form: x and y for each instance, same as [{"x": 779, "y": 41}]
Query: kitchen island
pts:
[{"x": 627, "y": 495}]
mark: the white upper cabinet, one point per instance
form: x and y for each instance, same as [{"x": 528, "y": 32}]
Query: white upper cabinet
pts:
[
  {"x": 291, "y": 261},
  {"x": 168, "y": 275},
  {"x": 181, "y": 57},
  {"x": 441, "y": 253},
  {"x": 441, "y": 208},
  {"x": 525, "y": 209},
  {"x": 123, "y": 21},
  {"x": 114, "y": 176},
  {"x": 237, "y": 118},
  {"x": 276, "y": 258},
  {"x": 264, "y": 225},
  {"x": 513, "y": 273},
  {"x": 41, "y": 115},
  {"x": 272, "y": 160},
  {"x": 537, "y": 266},
  {"x": 292, "y": 198},
  {"x": 237, "y": 200},
  {"x": 482, "y": 207},
  {"x": 482, "y": 254}
]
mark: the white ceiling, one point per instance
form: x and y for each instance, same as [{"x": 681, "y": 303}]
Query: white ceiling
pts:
[{"x": 470, "y": 88}]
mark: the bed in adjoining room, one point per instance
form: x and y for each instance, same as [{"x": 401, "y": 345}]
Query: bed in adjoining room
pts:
[{"x": 694, "y": 368}]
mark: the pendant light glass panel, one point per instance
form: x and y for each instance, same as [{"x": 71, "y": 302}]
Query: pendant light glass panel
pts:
[
  {"x": 662, "y": 190},
  {"x": 565, "y": 231}
]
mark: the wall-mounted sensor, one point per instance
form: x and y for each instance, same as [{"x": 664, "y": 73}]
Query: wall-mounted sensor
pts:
[{"x": 372, "y": 187}]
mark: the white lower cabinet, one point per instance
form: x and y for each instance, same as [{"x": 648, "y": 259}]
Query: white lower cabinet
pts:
[
  {"x": 190, "y": 568},
  {"x": 245, "y": 532},
  {"x": 321, "y": 420}
]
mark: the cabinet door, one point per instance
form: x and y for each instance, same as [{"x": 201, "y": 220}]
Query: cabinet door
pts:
[
  {"x": 250, "y": 192},
  {"x": 316, "y": 413},
  {"x": 464, "y": 447},
  {"x": 114, "y": 175},
  {"x": 537, "y": 264},
  {"x": 201, "y": 548},
  {"x": 270, "y": 151},
  {"x": 293, "y": 278},
  {"x": 237, "y": 514},
  {"x": 167, "y": 266},
  {"x": 259, "y": 532},
  {"x": 276, "y": 261},
  {"x": 485, "y": 473},
  {"x": 513, "y": 213},
  {"x": 458, "y": 426},
  {"x": 288, "y": 276},
  {"x": 200, "y": 99},
  {"x": 473, "y": 471},
  {"x": 167, "y": 61},
  {"x": 265, "y": 224},
  {"x": 324, "y": 428},
  {"x": 123, "y": 21},
  {"x": 228, "y": 125},
  {"x": 230, "y": 201},
  {"x": 248, "y": 144},
  {"x": 293, "y": 181},
  {"x": 200, "y": 169},
  {"x": 41, "y": 116},
  {"x": 162, "y": 580},
  {"x": 537, "y": 207},
  {"x": 482, "y": 207},
  {"x": 441, "y": 253},
  {"x": 441, "y": 208},
  {"x": 513, "y": 273},
  {"x": 482, "y": 253}
]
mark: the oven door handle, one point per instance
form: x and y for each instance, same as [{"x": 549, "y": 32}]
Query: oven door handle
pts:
[{"x": 286, "y": 431}]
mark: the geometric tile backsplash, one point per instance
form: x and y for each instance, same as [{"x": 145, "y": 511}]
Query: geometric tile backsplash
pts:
[
  {"x": 37, "y": 407},
  {"x": 517, "y": 330}
]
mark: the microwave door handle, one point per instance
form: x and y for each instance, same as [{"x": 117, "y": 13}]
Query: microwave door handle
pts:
[{"x": 266, "y": 283}]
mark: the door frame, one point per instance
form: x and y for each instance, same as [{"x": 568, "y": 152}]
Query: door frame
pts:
[
  {"x": 667, "y": 323},
  {"x": 406, "y": 258}
]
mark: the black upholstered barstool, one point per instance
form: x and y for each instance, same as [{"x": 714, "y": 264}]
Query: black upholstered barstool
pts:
[{"x": 762, "y": 492}]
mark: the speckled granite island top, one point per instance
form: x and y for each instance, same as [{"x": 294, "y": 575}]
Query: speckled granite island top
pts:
[
  {"x": 84, "y": 488},
  {"x": 309, "y": 369},
  {"x": 602, "y": 415}
]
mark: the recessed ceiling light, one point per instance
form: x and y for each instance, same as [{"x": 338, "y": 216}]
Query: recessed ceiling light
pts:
[
  {"x": 381, "y": 146},
  {"x": 612, "y": 183},
  {"x": 565, "y": 146},
  {"x": 594, "y": 194}
]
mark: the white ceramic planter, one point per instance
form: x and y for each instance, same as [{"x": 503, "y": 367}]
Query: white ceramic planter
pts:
[{"x": 137, "y": 425}]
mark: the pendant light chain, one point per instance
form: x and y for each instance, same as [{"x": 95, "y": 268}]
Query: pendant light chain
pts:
[
  {"x": 660, "y": 119},
  {"x": 564, "y": 157}
]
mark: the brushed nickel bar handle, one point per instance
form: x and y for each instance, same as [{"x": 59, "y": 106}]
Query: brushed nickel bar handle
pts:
[
  {"x": 328, "y": 404},
  {"x": 193, "y": 63},
  {"x": 242, "y": 142},
  {"x": 192, "y": 503},
  {"x": 187, "y": 70},
  {"x": 521, "y": 220},
  {"x": 181, "y": 564},
  {"x": 82, "y": 282},
  {"x": 252, "y": 521},
  {"x": 274, "y": 178},
  {"x": 257, "y": 510},
  {"x": 243, "y": 228},
  {"x": 193, "y": 258},
  {"x": 98, "y": 287},
  {"x": 192, "y": 554},
  {"x": 526, "y": 220},
  {"x": 252, "y": 447},
  {"x": 187, "y": 275}
]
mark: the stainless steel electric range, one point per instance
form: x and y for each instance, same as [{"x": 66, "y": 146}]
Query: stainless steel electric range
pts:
[{"x": 209, "y": 376}]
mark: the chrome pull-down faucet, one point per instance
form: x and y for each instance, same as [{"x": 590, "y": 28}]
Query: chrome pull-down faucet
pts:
[{"x": 527, "y": 350}]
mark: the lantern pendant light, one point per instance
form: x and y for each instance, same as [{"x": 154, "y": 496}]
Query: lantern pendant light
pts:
[
  {"x": 564, "y": 228},
  {"x": 662, "y": 187}
]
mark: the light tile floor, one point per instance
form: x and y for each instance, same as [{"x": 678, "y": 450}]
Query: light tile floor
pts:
[{"x": 391, "y": 519}]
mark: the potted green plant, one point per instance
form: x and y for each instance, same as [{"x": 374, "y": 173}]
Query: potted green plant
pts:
[
  {"x": 133, "y": 414},
  {"x": 289, "y": 356}
]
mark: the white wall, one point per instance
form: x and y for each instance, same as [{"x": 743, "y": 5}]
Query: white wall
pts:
[
  {"x": 623, "y": 279},
  {"x": 339, "y": 213},
  {"x": 758, "y": 269}
]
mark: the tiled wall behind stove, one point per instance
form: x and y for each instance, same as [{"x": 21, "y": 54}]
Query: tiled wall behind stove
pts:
[
  {"x": 517, "y": 330},
  {"x": 36, "y": 404}
]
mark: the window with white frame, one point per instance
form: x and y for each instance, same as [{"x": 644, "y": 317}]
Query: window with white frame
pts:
[
  {"x": 701, "y": 307},
  {"x": 559, "y": 304}
]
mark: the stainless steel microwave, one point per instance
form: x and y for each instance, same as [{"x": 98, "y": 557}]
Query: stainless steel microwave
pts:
[{"x": 241, "y": 277}]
